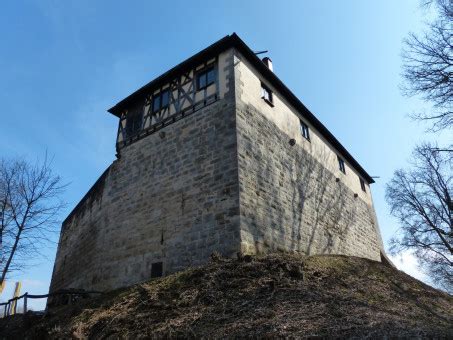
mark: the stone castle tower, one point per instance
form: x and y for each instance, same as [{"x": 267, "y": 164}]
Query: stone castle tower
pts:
[{"x": 216, "y": 154}]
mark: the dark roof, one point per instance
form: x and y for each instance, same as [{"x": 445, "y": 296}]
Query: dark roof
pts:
[{"x": 223, "y": 44}]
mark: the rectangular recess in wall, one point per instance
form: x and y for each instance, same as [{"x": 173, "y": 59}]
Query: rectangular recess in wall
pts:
[
  {"x": 156, "y": 269},
  {"x": 341, "y": 165},
  {"x": 362, "y": 184},
  {"x": 304, "y": 130},
  {"x": 267, "y": 95}
]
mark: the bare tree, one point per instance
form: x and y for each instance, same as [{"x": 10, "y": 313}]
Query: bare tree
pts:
[
  {"x": 421, "y": 200},
  {"x": 29, "y": 204},
  {"x": 428, "y": 66}
]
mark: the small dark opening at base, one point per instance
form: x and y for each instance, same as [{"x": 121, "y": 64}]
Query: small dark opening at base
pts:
[{"x": 156, "y": 269}]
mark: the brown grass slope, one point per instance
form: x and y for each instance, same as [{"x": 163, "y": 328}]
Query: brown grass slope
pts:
[{"x": 271, "y": 296}]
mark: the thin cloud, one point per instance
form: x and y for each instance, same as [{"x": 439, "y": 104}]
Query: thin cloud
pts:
[{"x": 408, "y": 263}]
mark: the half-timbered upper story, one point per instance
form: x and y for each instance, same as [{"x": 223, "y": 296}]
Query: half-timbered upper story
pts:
[
  {"x": 188, "y": 87},
  {"x": 164, "y": 104},
  {"x": 202, "y": 80}
]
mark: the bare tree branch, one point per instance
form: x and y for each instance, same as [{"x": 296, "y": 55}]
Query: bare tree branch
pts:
[
  {"x": 428, "y": 66},
  {"x": 421, "y": 199},
  {"x": 29, "y": 205}
]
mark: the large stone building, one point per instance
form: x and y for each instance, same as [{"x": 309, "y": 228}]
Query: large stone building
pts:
[{"x": 216, "y": 154}]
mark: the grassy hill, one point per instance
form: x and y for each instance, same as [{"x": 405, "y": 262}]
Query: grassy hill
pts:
[{"x": 271, "y": 296}]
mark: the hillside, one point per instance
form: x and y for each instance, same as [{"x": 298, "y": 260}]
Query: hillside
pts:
[{"x": 276, "y": 295}]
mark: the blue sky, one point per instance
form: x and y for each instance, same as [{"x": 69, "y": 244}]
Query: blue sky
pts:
[{"x": 64, "y": 63}]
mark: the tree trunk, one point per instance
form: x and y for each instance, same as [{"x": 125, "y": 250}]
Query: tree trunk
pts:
[{"x": 10, "y": 257}]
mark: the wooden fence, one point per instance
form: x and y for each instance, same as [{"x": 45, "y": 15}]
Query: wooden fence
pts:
[{"x": 10, "y": 307}]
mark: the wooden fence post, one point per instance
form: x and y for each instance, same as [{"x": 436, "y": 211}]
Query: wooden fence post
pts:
[{"x": 25, "y": 302}]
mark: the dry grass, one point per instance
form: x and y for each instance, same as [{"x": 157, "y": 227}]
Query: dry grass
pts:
[{"x": 271, "y": 296}]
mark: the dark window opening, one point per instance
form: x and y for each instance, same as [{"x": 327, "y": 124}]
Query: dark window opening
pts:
[
  {"x": 156, "y": 103},
  {"x": 165, "y": 98},
  {"x": 205, "y": 78},
  {"x": 362, "y": 185},
  {"x": 133, "y": 124},
  {"x": 267, "y": 95},
  {"x": 341, "y": 165},
  {"x": 156, "y": 269},
  {"x": 304, "y": 130},
  {"x": 161, "y": 101}
]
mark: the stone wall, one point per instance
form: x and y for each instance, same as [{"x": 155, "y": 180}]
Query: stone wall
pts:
[
  {"x": 289, "y": 201},
  {"x": 287, "y": 119},
  {"x": 171, "y": 197}
]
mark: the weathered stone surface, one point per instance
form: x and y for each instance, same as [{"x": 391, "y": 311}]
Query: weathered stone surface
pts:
[
  {"x": 172, "y": 199},
  {"x": 290, "y": 202}
]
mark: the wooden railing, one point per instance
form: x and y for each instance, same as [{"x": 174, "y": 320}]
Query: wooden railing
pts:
[{"x": 10, "y": 308}]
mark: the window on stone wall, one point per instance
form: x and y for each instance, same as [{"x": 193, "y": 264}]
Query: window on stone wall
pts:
[
  {"x": 362, "y": 184},
  {"x": 267, "y": 95},
  {"x": 161, "y": 101},
  {"x": 304, "y": 130},
  {"x": 341, "y": 165},
  {"x": 133, "y": 123},
  {"x": 205, "y": 78},
  {"x": 156, "y": 269}
]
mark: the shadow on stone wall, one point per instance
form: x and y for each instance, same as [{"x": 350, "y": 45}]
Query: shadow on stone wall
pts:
[{"x": 292, "y": 201}]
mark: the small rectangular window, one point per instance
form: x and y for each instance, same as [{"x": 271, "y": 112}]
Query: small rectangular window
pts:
[
  {"x": 267, "y": 95},
  {"x": 341, "y": 165},
  {"x": 201, "y": 81},
  {"x": 210, "y": 76},
  {"x": 206, "y": 78},
  {"x": 156, "y": 103},
  {"x": 164, "y": 99},
  {"x": 362, "y": 185},
  {"x": 161, "y": 101},
  {"x": 156, "y": 269},
  {"x": 304, "y": 130}
]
